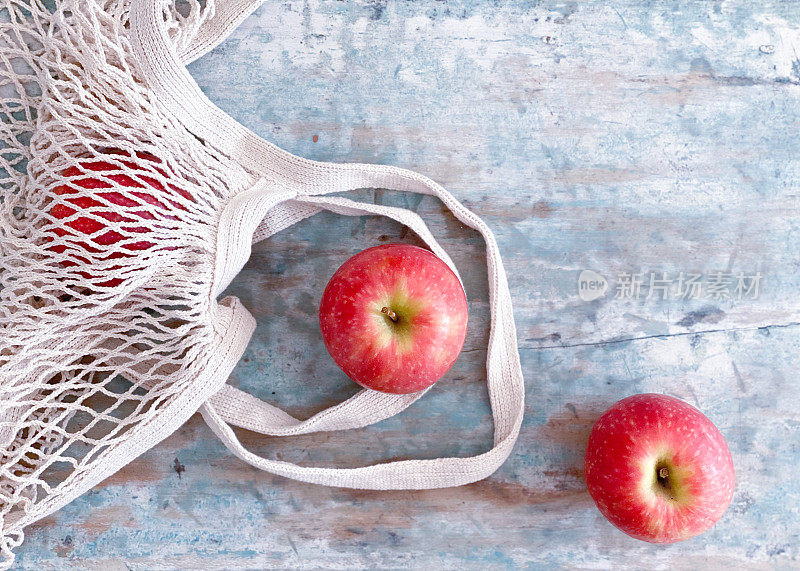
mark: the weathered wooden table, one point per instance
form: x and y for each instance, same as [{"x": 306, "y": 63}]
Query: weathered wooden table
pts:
[{"x": 648, "y": 138}]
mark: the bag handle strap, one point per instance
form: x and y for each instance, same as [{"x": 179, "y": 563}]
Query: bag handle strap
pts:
[
  {"x": 180, "y": 96},
  {"x": 504, "y": 378}
]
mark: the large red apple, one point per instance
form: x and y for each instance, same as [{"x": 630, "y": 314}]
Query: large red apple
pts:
[
  {"x": 394, "y": 318},
  {"x": 658, "y": 469},
  {"x": 115, "y": 197}
]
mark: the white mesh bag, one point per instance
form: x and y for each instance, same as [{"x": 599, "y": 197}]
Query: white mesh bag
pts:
[{"x": 128, "y": 202}]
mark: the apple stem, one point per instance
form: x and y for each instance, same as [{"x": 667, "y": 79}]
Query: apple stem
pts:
[
  {"x": 663, "y": 473},
  {"x": 389, "y": 313}
]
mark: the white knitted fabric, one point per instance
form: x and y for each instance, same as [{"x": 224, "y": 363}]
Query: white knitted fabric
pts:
[{"x": 128, "y": 202}]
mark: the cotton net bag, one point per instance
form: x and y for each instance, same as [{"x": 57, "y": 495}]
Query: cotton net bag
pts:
[{"x": 128, "y": 203}]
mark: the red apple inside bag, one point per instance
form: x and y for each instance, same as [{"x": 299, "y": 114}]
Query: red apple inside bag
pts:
[{"x": 126, "y": 202}]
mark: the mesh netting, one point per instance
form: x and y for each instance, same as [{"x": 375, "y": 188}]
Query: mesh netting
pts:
[
  {"x": 107, "y": 233},
  {"x": 128, "y": 203}
]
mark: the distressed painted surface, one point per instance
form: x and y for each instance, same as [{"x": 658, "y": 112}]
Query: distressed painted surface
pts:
[{"x": 648, "y": 136}]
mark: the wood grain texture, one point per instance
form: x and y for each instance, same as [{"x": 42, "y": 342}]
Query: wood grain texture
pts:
[{"x": 648, "y": 136}]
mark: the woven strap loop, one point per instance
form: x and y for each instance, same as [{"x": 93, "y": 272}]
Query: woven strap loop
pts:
[{"x": 233, "y": 407}]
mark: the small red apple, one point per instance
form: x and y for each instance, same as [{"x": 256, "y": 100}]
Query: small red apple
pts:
[
  {"x": 394, "y": 318},
  {"x": 658, "y": 469},
  {"x": 85, "y": 215}
]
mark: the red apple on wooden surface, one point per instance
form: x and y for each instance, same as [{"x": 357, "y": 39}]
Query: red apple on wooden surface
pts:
[
  {"x": 658, "y": 469},
  {"x": 394, "y": 318},
  {"x": 86, "y": 216}
]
